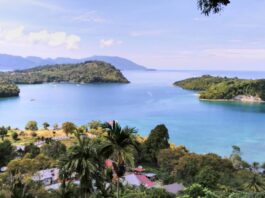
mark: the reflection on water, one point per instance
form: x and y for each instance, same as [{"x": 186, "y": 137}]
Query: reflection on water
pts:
[{"x": 237, "y": 106}]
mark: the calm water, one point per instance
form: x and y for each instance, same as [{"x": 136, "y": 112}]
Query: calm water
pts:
[{"x": 149, "y": 100}]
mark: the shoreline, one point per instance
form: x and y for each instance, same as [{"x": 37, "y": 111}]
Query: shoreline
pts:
[{"x": 241, "y": 99}]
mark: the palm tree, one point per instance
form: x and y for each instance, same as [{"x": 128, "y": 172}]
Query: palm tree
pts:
[
  {"x": 255, "y": 167},
  {"x": 255, "y": 184},
  {"x": 83, "y": 160},
  {"x": 120, "y": 146}
]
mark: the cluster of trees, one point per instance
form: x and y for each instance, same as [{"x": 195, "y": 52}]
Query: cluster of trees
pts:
[
  {"x": 8, "y": 89},
  {"x": 204, "y": 175},
  {"x": 200, "y": 83},
  {"x": 84, "y": 159},
  {"x": 224, "y": 88},
  {"x": 88, "y": 72}
]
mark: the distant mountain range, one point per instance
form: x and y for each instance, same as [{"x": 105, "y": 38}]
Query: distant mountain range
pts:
[{"x": 10, "y": 62}]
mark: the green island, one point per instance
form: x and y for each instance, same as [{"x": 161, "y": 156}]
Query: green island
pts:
[
  {"x": 8, "y": 89},
  {"x": 223, "y": 88},
  {"x": 106, "y": 160},
  {"x": 87, "y": 72}
]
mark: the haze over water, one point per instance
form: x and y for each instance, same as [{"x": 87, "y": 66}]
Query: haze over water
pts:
[{"x": 149, "y": 99}]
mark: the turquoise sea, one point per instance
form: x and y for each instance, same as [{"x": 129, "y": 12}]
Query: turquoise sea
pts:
[{"x": 149, "y": 99}]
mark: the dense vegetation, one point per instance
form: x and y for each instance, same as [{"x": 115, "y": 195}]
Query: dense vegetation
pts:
[
  {"x": 8, "y": 89},
  {"x": 224, "y": 88},
  {"x": 204, "y": 175},
  {"x": 88, "y": 72}
]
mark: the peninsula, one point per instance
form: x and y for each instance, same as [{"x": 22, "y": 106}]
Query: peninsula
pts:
[{"x": 223, "y": 88}]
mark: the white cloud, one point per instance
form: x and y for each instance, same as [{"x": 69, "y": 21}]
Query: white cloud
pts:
[
  {"x": 16, "y": 35},
  {"x": 90, "y": 16},
  {"x": 10, "y": 34},
  {"x": 72, "y": 41},
  {"x": 109, "y": 42}
]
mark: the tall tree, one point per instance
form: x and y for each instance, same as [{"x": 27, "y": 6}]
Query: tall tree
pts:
[
  {"x": 68, "y": 127},
  {"x": 236, "y": 157},
  {"x": 53, "y": 149},
  {"x": 157, "y": 140},
  {"x": 3, "y": 132},
  {"x": 83, "y": 160},
  {"x": 7, "y": 152},
  {"x": 32, "y": 125},
  {"x": 46, "y": 125},
  {"x": 120, "y": 146},
  {"x": 32, "y": 150},
  {"x": 212, "y": 6}
]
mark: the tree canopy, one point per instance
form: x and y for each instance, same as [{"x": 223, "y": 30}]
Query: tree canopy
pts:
[
  {"x": 157, "y": 140},
  {"x": 212, "y": 6}
]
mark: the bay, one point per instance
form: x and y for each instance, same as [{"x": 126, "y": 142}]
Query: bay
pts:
[{"x": 149, "y": 99}]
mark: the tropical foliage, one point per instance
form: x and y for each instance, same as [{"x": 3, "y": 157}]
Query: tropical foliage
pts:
[{"x": 83, "y": 160}]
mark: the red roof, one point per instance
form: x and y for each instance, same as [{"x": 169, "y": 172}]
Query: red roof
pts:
[{"x": 145, "y": 181}]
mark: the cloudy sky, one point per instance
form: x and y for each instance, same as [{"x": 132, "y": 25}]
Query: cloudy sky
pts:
[{"x": 165, "y": 34}]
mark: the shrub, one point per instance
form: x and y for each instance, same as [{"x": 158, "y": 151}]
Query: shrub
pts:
[
  {"x": 32, "y": 125},
  {"x": 14, "y": 136},
  {"x": 33, "y": 134}
]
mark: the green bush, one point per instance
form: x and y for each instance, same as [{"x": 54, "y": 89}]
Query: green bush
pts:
[
  {"x": 14, "y": 136},
  {"x": 32, "y": 125}
]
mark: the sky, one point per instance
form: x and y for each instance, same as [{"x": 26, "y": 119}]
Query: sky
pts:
[{"x": 162, "y": 34}]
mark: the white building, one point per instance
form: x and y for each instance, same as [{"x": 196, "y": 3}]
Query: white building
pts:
[{"x": 47, "y": 176}]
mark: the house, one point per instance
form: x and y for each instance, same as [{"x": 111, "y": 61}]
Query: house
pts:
[
  {"x": 47, "y": 176},
  {"x": 57, "y": 186},
  {"x": 138, "y": 180},
  {"x": 39, "y": 143},
  {"x": 174, "y": 188}
]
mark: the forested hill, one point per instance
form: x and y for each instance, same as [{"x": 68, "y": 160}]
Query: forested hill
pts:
[
  {"x": 87, "y": 72},
  {"x": 225, "y": 88},
  {"x": 201, "y": 83},
  {"x": 8, "y": 89}
]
